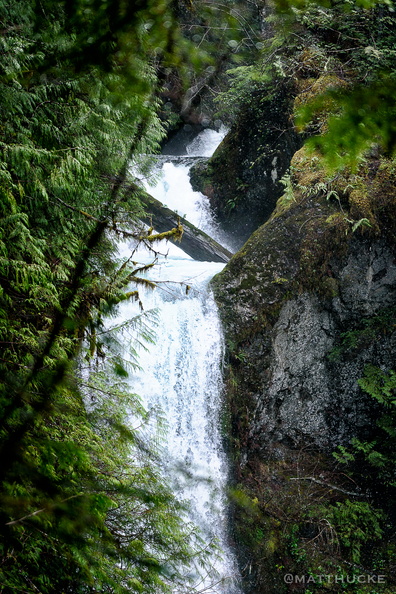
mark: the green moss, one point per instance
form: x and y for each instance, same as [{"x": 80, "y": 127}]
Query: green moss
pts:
[
  {"x": 368, "y": 331},
  {"x": 283, "y": 204},
  {"x": 382, "y": 195},
  {"x": 312, "y": 63},
  {"x": 280, "y": 281},
  {"x": 330, "y": 287},
  {"x": 249, "y": 282},
  {"x": 313, "y": 90},
  {"x": 325, "y": 239}
]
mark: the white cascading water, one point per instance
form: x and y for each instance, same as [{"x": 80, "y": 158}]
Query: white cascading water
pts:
[
  {"x": 174, "y": 190},
  {"x": 181, "y": 373}
]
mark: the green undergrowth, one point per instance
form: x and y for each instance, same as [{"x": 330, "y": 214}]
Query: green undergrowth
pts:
[
  {"x": 306, "y": 517},
  {"x": 368, "y": 331}
]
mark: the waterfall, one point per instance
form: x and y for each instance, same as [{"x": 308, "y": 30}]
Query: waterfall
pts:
[{"x": 181, "y": 372}]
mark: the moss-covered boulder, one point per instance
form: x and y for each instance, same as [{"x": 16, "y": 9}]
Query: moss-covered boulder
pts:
[
  {"x": 242, "y": 179},
  {"x": 309, "y": 274}
]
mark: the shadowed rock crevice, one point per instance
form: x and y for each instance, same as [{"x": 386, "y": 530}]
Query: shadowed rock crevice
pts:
[{"x": 242, "y": 178}]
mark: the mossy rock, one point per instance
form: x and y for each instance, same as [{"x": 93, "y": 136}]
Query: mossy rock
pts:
[
  {"x": 382, "y": 196},
  {"x": 313, "y": 88},
  {"x": 289, "y": 253},
  {"x": 242, "y": 178},
  {"x": 315, "y": 92}
]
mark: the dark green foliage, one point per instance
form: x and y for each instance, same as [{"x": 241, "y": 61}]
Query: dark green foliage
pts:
[
  {"x": 87, "y": 505},
  {"x": 83, "y": 505},
  {"x": 351, "y": 41},
  {"x": 373, "y": 459},
  {"x": 368, "y": 331},
  {"x": 365, "y": 116},
  {"x": 357, "y": 45}
]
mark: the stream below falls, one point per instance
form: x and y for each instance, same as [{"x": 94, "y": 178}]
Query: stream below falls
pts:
[{"x": 181, "y": 373}]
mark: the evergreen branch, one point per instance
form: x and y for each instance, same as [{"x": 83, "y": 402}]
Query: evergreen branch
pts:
[
  {"x": 86, "y": 214},
  {"x": 13, "y": 440},
  {"x": 44, "y": 509}
]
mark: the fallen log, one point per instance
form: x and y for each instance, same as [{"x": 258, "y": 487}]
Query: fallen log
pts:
[{"x": 194, "y": 242}]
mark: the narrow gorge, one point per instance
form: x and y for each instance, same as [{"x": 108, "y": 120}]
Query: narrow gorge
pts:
[{"x": 198, "y": 297}]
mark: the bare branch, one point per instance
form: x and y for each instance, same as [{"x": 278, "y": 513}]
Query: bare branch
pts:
[
  {"x": 333, "y": 487},
  {"x": 44, "y": 509}
]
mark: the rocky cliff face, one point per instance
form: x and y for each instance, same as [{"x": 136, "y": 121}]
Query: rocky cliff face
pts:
[
  {"x": 306, "y": 304},
  {"x": 300, "y": 386},
  {"x": 305, "y": 278},
  {"x": 242, "y": 179}
]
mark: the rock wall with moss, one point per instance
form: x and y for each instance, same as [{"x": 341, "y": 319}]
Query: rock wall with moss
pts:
[
  {"x": 309, "y": 308},
  {"x": 242, "y": 179},
  {"x": 306, "y": 304}
]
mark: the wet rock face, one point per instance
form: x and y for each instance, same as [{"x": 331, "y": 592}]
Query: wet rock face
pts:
[
  {"x": 298, "y": 383},
  {"x": 309, "y": 399},
  {"x": 242, "y": 179},
  {"x": 368, "y": 280},
  {"x": 298, "y": 390}
]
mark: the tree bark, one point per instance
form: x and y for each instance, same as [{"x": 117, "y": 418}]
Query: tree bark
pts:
[{"x": 194, "y": 242}]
